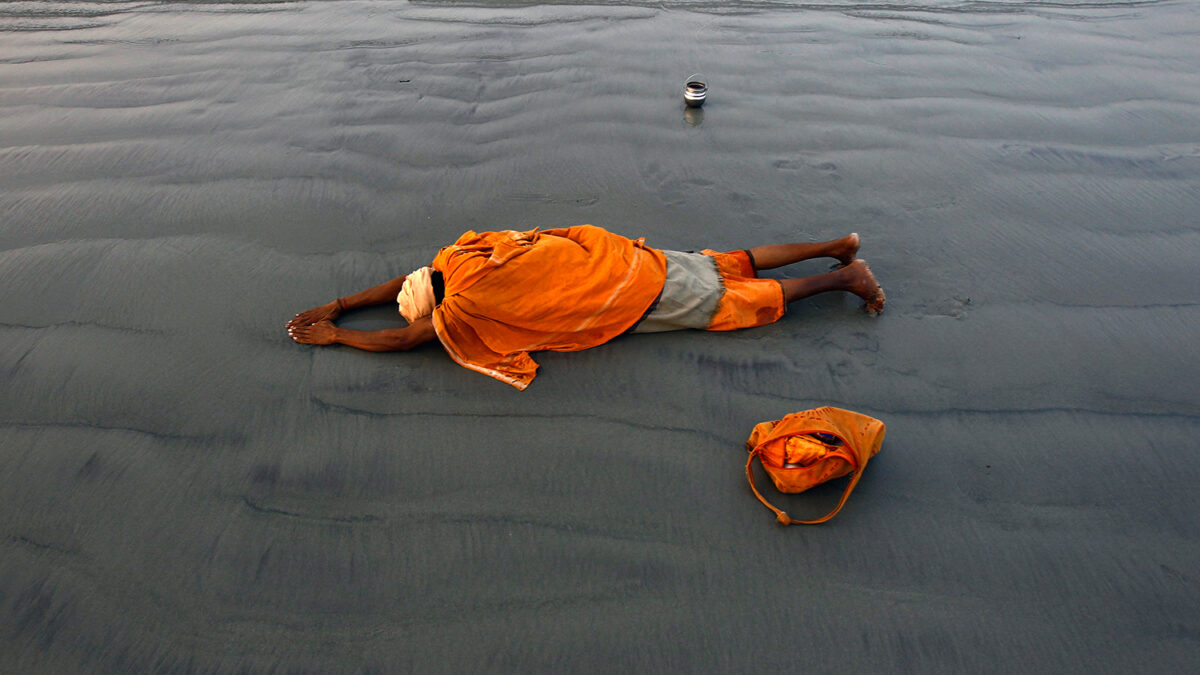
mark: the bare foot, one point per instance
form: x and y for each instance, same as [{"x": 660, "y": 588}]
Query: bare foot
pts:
[
  {"x": 862, "y": 283},
  {"x": 845, "y": 249},
  {"x": 328, "y": 312},
  {"x": 319, "y": 333}
]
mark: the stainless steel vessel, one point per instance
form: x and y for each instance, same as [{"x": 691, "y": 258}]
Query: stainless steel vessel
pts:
[{"x": 695, "y": 91}]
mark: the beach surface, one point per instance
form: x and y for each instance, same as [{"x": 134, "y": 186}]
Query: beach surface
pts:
[{"x": 184, "y": 489}]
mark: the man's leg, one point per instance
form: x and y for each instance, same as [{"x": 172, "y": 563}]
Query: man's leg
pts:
[
  {"x": 778, "y": 255},
  {"x": 855, "y": 278}
]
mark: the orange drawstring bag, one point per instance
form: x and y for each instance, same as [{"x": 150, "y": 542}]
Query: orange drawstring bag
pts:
[{"x": 810, "y": 447}]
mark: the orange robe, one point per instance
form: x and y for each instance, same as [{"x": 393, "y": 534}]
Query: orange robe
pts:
[{"x": 510, "y": 293}]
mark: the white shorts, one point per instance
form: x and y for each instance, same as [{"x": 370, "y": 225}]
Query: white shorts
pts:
[{"x": 689, "y": 297}]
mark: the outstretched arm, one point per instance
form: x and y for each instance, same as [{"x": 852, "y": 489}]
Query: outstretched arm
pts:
[
  {"x": 375, "y": 295},
  {"x": 389, "y": 340}
]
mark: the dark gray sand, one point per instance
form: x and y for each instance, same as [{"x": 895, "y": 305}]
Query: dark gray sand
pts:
[{"x": 183, "y": 489}]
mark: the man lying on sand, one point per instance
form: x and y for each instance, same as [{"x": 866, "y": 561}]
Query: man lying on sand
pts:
[{"x": 493, "y": 297}]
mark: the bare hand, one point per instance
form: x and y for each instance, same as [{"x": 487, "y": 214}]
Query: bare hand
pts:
[
  {"x": 320, "y": 333},
  {"x": 327, "y": 312}
]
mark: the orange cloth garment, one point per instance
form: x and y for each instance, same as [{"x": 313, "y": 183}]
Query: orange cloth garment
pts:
[
  {"x": 747, "y": 301},
  {"x": 509, "y": 293}
]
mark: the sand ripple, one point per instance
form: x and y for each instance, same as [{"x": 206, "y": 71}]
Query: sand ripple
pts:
[{"x": 184, "y": 489}]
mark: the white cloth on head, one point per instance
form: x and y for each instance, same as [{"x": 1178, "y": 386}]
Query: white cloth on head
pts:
[{"x": 416, "y": 298}]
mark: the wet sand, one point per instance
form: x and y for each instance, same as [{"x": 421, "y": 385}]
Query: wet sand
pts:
[{"x": 185, "y": 490}]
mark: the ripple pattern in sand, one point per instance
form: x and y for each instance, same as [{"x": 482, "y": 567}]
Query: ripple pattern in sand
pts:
[{"x": 185, "y": 490}]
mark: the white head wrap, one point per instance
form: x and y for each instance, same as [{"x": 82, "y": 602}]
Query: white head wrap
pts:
[{"x": 416, "y": 297}]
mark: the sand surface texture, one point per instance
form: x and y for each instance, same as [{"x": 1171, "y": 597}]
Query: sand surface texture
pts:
[{"x": 183, "y": 489}]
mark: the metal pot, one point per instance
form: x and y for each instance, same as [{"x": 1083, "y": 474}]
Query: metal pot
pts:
[{"x": 695, "y": 91}]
